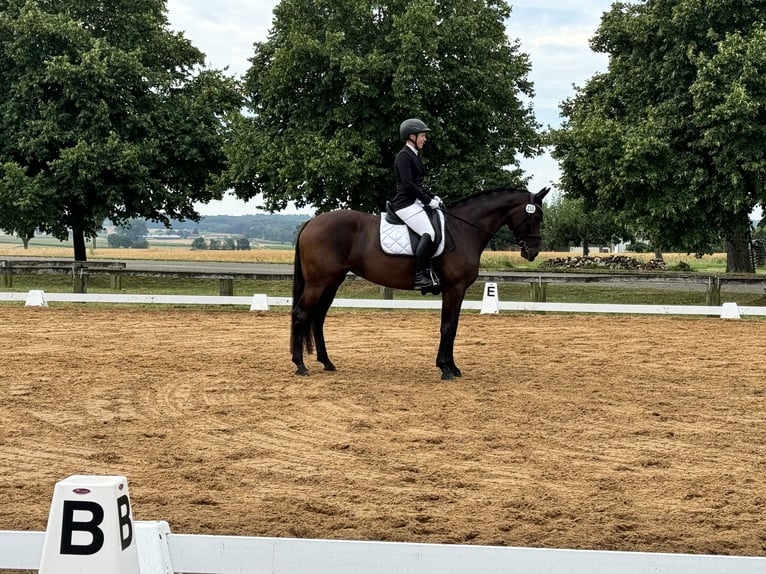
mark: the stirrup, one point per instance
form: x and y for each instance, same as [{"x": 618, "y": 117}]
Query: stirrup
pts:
[{"x": 426, "y": 279}]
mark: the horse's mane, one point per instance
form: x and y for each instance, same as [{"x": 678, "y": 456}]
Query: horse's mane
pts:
[{"x": 491, "y": 191}]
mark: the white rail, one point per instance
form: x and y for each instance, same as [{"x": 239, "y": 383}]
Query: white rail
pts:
[
  {"x": 161, "y": 552},
  {"x": 263, "y": 302}
]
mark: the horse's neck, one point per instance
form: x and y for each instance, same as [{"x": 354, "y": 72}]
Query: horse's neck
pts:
[
  {"x": 481, "y": 219},
  {"x": 489, "y": 213}
]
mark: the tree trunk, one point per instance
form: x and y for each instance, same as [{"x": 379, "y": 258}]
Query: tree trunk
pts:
[
  {"x": 585, "y": 248},
  {"x": 658, "y": 254},
  {"x": 738, "y": 258},
  {"x": 78, "y": 239}
]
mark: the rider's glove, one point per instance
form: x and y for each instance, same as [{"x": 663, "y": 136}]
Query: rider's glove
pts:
[{"x": 435, "y": 203}]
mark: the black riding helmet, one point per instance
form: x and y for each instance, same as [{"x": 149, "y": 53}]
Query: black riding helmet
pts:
[{"x": 412, "y": 126}]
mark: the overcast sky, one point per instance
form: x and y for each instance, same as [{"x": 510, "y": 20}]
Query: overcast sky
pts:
[{"x": 555, "y": 35}]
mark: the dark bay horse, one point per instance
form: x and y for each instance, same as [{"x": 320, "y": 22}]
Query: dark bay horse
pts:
[{"x": 334, "y": 243}]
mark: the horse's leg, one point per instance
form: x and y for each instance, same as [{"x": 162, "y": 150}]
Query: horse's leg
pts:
[
  {"x": 302, "y": 328},
  {"x": 299, "y": 330},
  {"x": 452, "y": 299},
  {"x": 455, "y": 371},
  {"x": 320, "y": 313}
]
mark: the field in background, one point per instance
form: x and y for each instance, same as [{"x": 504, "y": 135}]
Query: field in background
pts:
[{"x": 497, "y": 260}]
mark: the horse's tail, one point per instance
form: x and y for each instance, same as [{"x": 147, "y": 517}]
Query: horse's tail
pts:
[{"x": 301, "y": 331}]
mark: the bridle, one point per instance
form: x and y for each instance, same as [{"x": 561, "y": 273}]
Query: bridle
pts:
[{"x": 531, "y": 208}]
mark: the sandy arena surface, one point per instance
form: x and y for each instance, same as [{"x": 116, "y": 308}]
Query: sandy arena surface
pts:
[{"x": 619, "y": 433}]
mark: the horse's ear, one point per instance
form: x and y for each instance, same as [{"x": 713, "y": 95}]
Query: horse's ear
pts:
[{"x": 540, "y": 195}]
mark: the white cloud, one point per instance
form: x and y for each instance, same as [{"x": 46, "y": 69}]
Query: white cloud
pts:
[
  {"x": 555, "y": 35},
  {"x": 224, "y": 30}
]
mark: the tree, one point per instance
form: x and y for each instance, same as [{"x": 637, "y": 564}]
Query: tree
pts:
[
  {"x": 18, "y": 191},
  {"x": 673, "y": 133},
  {"x": 132, "y": 234},
  {"x": 329, "y": 88},
  {"x": 105, "y": 113},
  {"x": 568, "y": 221},
  {"x": 199, "y": 244}
]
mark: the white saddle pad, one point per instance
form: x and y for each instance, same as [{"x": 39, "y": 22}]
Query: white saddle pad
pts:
[{"x": 395, "y": 239}]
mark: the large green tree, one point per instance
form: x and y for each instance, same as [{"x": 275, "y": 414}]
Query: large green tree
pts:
[
  {"x": 329, "y": 88},
  {"x": 105, "y": 113},
  {"x": 674, "y": 133},
  {"x": 570, "y": 222}
]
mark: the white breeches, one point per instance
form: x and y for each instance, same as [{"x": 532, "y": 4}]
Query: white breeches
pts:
[{"x": 416, "y": 219}]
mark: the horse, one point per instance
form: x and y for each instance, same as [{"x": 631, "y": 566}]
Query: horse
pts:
[{"x": 335, "y": 243}]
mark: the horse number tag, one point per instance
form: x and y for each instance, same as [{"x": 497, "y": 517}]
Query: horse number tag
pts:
[{"x": 531, "y": 208}]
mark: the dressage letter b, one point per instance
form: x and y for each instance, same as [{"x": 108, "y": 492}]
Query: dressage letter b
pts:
[
  {"x": 126, "y": 526},
  {"x": 69, "y": 526}
]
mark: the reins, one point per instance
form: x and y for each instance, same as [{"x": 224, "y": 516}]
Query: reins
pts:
[
  {"x": 527, "y": 219},
  {"x": 445, "y": 212}
]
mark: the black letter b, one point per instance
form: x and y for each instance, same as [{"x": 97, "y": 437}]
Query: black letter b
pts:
[
  {"x": 123, "y": 517},
  {"x": 68, "y": 526}
]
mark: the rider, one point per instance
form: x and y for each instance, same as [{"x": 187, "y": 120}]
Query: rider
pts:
[{"x": 411, "y": 199}]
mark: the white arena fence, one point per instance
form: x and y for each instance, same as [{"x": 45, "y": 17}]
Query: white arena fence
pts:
[
  {"x": 489, "y": 303},
  {"x": 162, "y": 552}
]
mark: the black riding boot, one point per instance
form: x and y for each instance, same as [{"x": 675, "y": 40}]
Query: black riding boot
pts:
[{"x": 424, "y": 276}]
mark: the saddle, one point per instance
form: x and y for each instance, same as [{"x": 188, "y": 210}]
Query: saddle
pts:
[{"x": 398, "y": 239}]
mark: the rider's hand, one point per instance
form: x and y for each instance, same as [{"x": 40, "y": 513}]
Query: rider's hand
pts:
[{"x": 435, "y": 203}]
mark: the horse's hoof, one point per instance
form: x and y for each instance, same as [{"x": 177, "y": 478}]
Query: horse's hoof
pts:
[
  {"x": 447, "y": 376},
  {"x": 302, "y": 372},
  {"x": 329, "y": 367},
  {"x": 456, "y": 372}
]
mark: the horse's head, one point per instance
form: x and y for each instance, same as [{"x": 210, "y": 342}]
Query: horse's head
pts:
[{"x": 524, "y": 220}]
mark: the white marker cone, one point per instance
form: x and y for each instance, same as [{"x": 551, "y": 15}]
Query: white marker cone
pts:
[
  {"x": 90, "y": 528},
  {"x": 489, "y": 301},
  {"x": 36, "y": 298}
]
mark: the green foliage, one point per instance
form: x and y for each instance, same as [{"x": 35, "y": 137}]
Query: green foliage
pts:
[
  {"x": 199, "y": 243},
  {"x": 117, "y": 240},
  {"x": 569, "y": 222},
  {"x": 760, "y": 232},
  {"x": 329, "y": 88},
  {"x": 280, "y": 228},
  {"x": 18, "y": 191},
  {"x": 680, "y": 266},
  {"x": 638, "y": 247},
  {"x": 131, "y": 235},
  {"x": 105, "y": 113},
  {"x": 225, "y": 244},
  {"x": 673, "y": 135}
]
